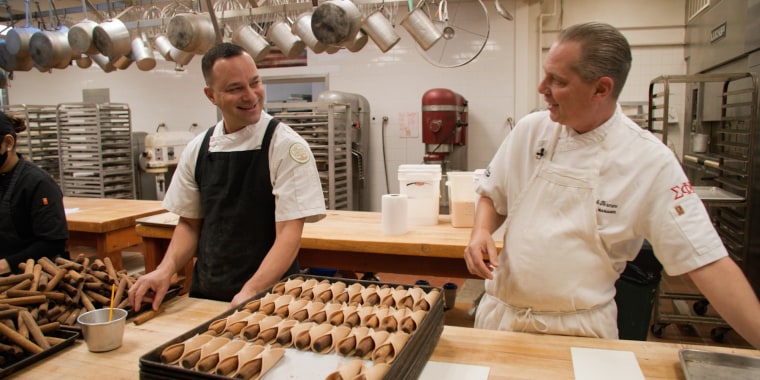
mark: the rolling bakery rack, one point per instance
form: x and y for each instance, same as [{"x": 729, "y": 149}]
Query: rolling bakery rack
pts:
[
  {"x": 39, "y": 142},
  {"x": 720, "y": 158},
  {"x": 95, "y": 142},
  {"x": 326, "y": 128}
]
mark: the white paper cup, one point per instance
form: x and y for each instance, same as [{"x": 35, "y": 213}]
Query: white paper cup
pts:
[{"x": 100, "y": 334}]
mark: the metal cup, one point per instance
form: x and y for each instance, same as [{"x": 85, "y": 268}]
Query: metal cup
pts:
[
  {"x": 256, "y": 45},
  {"x": 422, "y": 29},
  {"x": 280, "y": 33},
  {"x": 100, "y": 334}
]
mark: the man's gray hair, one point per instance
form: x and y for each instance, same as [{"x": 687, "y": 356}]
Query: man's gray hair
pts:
[{"x": 604, "y": 52}]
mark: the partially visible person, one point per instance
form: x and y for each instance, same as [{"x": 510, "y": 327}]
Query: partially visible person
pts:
[
  {"x": 32, "y": 217},
  {"x": 243, "y": 191},
  {"x": 581, "y": 186}
]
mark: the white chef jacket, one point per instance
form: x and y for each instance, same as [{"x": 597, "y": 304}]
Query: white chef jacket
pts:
[
  {"x": 643, "y": 191},
  {"x": 295, "y": 181}
]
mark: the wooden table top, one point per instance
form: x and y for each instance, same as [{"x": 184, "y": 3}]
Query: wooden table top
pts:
[
  {"x": 99, "y": 215},
  {"x": 355, "y": 231},
  {"x": 509, "y": 355}
]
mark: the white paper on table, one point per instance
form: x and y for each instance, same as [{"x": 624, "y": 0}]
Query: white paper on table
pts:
[
  {"x": 445, "y": 371},
  {"x": 70, "y": 210},
  {"x": 593, "y": 364}
]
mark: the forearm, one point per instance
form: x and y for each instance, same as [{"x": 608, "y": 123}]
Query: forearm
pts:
[
  {"x": 486, "y": 217},
  {"x": 728, "y": 291},
  {"x": 183, "y": 245},
  {"x": 278, "y": 259}
]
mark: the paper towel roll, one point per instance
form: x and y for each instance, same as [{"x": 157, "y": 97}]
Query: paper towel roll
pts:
[{"x": 394, "y": 214}]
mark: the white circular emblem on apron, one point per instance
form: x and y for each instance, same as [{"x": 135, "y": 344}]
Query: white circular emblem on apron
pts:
[{"x": 299, "y": 153}]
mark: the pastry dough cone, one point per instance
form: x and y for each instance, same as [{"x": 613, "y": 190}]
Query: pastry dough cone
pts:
[
  {"x": 221, "y": 325},
  {"x": 255, "y": 305},
  {"x": 364, "y": 312},
  {"x": 308, "y": 288},
  {"x": 347, "y": 345},
  {"x": 209, "y": 362},
  {"x": 288, "y": 286},
  {"x": 351, "y": 316},
  {"x": 411, "y": 322},
  {"x": 347, "y": 370},
  {"x": 322, "y": 315},
  {"x": 323, "y": 292},
  {"x": 287, "y": 338},
  {"x": 386, "y": 297},
  {"x": 355, "y": 294},
  {"x": 296, "y": 305},
  {"x": 376, "y": 372},
  {"x": 370, "y": 296},
  {"x": 392, "y": 321},
  {"x": 372, "y": 320},
  {"x": 366, "y": 346},
  {"x": 308, "y": 311},
  {"x": 254, "y": 330},
  {"x": 303, "y": 339},
  {"x": 388, "y": 351},
  {"x": 192, "y": 358},
  {"x": 173, "y": 353},
  {"x": 427, "y": 302},
  {"x": 256, "y": 368},
  {"x": 323, "y": 344},
  {"x": 229, "y": 365},
  {"x": 237, "y": 326},
  {"x": 284, "y": 338},
  {"x": 402, "y": 299},
  {"x": 281, "y": 305}
]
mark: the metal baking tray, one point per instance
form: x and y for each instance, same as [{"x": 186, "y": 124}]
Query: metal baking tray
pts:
[
  {"x": 68, "y": 339},
  {"x": 704, "y": 365},
  {"x": 409, "y": 363},
  {"x": 712, "y": 193}
]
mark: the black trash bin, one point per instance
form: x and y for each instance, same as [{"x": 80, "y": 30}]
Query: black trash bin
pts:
[{"x": 636, "y": 291}]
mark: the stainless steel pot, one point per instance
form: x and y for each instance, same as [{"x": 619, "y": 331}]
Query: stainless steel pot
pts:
[
  {"x": 83, "y": 61},
  {"x": 11, "y": 62},
  {"x": 123, "y": 62},
  {"x": 357, "y": 43},
  {"x": 302, "y": 28},
  {"x": 422, "y": 29},
  {"x": 191, "y": 32},
  {"x": 50, "y": 49},
  {"x": 164, "y": 46},
  {"x": 247, "y": 38},
  {"x": 142, "y": 53},
  {"x": 335, "y": 22},
  {"x": 111, "y": 37},
  {"x": 380, "y": 30},
  {"x": 80, "y": 37},
  {"x": 17, "y": 40},
  {"x": 181, "y": 57},
  {"x": 282, "y": 37},
  {"x": 103, "y": 61}
]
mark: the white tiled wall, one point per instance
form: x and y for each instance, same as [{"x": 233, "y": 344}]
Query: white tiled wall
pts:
[{"x": 499, "y": 84}]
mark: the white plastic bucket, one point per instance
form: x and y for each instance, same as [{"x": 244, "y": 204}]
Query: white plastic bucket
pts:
[
  {"x": 422, "y": 185},
  {"x": 462, "y": 196}
]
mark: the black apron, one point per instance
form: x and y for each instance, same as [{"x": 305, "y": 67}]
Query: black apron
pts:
[
  {"x": 238, "y": 227},
  {"x": 8, "y": 234}
]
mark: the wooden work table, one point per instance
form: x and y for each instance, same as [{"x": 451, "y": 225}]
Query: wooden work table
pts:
[
  {"x": 351, "y": 241},
  {"x": 509, "y": 355},
  {"x": 107, "y": 224}
]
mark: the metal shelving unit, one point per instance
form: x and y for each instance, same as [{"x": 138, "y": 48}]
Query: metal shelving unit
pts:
[
  {"x": 723, "y": 109},
  {"x": 95, "y": 142},
  {"x": 39, "y": 143},
  {"x": 326, "y": 127}
]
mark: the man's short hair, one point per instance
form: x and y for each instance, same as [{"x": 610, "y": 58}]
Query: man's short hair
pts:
[{"x": 220, "y": 51}]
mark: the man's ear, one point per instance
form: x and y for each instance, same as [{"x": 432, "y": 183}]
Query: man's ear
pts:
[
  {"x": 209, "y": 94},
  {"x": 604, "y": 86}
]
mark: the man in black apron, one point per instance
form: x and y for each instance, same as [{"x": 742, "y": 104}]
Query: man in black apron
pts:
[
  {"x": 32, "y": 218},
  {"x": 243, "y": 191}
]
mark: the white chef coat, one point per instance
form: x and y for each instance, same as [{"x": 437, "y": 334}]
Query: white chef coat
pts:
[
  {"x": 292, "y": 170},
  {"x": 643, "y": 191}
]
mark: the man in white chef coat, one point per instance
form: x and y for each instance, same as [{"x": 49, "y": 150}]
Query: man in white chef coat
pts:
[
  {"x": 243, "y": 191},
  {"x": 580, "y": 187}
]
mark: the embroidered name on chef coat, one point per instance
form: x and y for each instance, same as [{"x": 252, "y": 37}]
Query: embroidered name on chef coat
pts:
[
  {"x": 299, "y": 153},
  {"x": 606, "y": 207}
]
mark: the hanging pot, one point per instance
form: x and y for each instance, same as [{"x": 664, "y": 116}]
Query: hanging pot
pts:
[
  {"x": 164, "y": 46},
  {"x": 123, "y": 62},
  {"x": 50, "y": 49},
  {"x": 10, "y": 62},
  {"x": 80, "y": 37},
  {"x": 17, "y": 40},
  {"x": 180, "y": 57},
  {"x": 256, "y": 45},
  {"x": 103, "y": 61},
  {"x": 192, "y": 32},
  {"x": 280, "y": 33},
  {"x": 142, "y": 53},
  {"x": 302, "y": 28},
  {"x": 336, "y": 21},
  {"x": 357, "y": 43},
  {"x": 83, "y": 61},
  {"x": 112, "y": 38},
  {"x": 380, "y": 30},
  {"x": 422, "y": 29}
]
